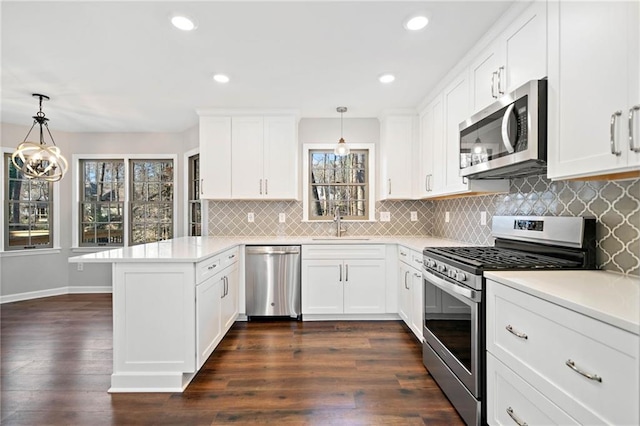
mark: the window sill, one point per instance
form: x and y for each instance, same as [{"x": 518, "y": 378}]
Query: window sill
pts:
[{"x": 30, "y": 252}]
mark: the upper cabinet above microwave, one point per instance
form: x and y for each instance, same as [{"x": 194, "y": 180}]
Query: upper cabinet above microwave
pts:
[
  {"x": 518, "y": 54},
  {"x": 594, "y": 89}
]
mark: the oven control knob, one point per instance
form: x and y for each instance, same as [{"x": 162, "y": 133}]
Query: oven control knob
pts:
[
  {"x": 431, "y": 263},
  {"x": 442, "y": 268},
  {"x": 461, "y": 276},
  {"x": 452, "y": 274}
]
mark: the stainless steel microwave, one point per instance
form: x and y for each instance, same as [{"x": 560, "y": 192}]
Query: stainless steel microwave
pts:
[{"x": 508, "y": 138}]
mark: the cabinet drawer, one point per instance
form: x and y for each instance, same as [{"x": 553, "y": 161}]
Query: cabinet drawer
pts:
[
  {"x": 404, "y": 255},
  {"x": 344, "y": 251},
  {"x": 416, "y": 260},
  {"x": 551, "y": 337},
  {"x": 207, "y": 268},
  {"x": 508, "y": 395},
  {"x": 229, "y": 257}
]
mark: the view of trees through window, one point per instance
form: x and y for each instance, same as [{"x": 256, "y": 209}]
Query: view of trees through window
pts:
[
  {"x": 151, "y": 200},
  {"x": 338, "y": 182},
  {"x": 29, "y": 207},
  {"x": 195, "y": 209}
]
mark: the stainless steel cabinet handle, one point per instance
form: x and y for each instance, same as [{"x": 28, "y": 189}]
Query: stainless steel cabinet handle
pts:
[
  {"x": 572, "y": 365},
  {"x": 516, "y": 333},
  {"x": 340, "y": 279},
  {"x": 389, "y": 186},
  {"x": 612, "y": 131},
  {"x": 232, "y": 256},
  {"x": 417, "y": 275},
  {"x": 493, "y": 84},
  {"x": 515, "y": 418},
  {"x": 632, "y": 112},
  {"x": 346, "y": 272},
  {"x": 406, "y": 273},
  {"x": 211, "y": 267},
  {"x": 223, "y": 288},
  {"x": 266, "y": 186},
  {"x": 403, "y": 254},
  {"x": 426, "y": 183},
  {"x": 260, "y": 186},
  {"x": 500, "y": 88},
  {"x": 201, "y": 186}
]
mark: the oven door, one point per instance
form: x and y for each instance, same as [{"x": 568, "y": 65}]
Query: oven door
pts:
[{"x": 451, "y": 326}]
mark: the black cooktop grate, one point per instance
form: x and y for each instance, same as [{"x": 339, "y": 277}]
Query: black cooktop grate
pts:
[{"x": 500, "y": 258}]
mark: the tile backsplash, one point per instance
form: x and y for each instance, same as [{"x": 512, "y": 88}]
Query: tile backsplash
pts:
[{"x": 615, "y": 204}]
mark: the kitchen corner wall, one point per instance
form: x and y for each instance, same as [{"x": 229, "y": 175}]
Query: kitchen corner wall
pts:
[{"x": 615, "y": 205}]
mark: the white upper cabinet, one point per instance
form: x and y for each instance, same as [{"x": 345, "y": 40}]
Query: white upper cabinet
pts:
[
  {"x": 594, "y": 89},
  {"x": 397, "y": 134},
  {"x": 518, "y": 55},
  {"x": 248, "y": 157},
  {"x": 456, "y": 110},
  {"x": 431, "y": 147},
  {"x": 215, "y": 157}
]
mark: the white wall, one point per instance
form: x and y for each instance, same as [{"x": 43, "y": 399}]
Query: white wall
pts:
[
  {"x": 40, "y": 273},
  {"x": 327, "y": 130}
]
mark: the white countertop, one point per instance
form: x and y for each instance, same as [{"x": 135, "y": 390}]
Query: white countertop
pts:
[
  {"x": 195, "y": 249},
  {"x": 606, "y": 296}
]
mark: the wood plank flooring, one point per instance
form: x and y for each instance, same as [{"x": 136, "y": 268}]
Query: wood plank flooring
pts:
[{"x": 56, "y": 359}]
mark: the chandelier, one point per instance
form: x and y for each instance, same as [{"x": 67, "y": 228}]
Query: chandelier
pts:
[{"x": 37, "y": 160}]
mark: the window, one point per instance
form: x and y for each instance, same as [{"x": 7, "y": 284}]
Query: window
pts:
[
  {"x": 28, "y": 210},
  {"x": 194, "y": 204},
  {"x": 342, "y": 182},
  {"x": 102, "y": 202},
  {"x": 151, "y": 201},
  {"x": 124, "y": 201}
]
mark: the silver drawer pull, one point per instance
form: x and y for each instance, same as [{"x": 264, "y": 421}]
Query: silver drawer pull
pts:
[
  {"x": 211, "y": 267},
  {"x": 632, "y": 111},
  {"x": 572, "y": 365},
  {"x": 612, "y": 131},
  {"x": 515, "y": 418},
  {"x": 516, "y": 333},
  {"x": 232, "y": 256}
]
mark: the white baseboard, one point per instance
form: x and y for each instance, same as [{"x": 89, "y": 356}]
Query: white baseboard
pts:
[{"x": 53, "y": 292}]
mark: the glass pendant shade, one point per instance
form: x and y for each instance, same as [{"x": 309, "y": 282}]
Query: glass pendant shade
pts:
[
  {"x": 37, "y": 160},
  {"x": 341, "y": 148}
]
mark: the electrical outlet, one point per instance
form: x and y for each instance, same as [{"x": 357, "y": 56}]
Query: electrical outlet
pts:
[
  {"x": 385, "y": 217},
  {"x": 414, "y": 216},
  {"x": 483, "y": 218},
  {"x": 282, "y": 218},
  {"x": 80, "y": 267},
  {"x": 251, "y": 217},
  {"x": 446, "y": 217}
]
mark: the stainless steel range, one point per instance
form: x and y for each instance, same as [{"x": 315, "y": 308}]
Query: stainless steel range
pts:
[{"x": 454, "y": 313}]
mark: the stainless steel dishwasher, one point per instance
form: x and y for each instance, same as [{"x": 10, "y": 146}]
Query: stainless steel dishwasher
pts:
[{"x": 272, "y": 277}]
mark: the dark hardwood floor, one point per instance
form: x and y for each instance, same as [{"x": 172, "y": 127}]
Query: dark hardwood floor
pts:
[{"x": 56, "y": 365}]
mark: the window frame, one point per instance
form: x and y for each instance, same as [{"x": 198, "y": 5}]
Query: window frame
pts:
[
  {"x": 52, "y": 248},
  {"x": 127, "y": 158},
  {"x": 370, "y": 172},
  {"x": 188, "y": 181}
]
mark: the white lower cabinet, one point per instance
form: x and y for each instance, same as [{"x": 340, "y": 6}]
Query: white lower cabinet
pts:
[
  {"x": 216, "y": 307},
  {"x": 341, "y": 279},
  {"x": 586, "y": 368},
  {"x": 410, "y": 297}
]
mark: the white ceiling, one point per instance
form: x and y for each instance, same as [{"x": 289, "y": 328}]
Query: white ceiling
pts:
[{"x": 122, "y": 67}]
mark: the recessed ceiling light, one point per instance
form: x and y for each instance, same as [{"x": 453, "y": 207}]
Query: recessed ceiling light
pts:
[
  {"x": 183, "y": 23},
  {"x": 416, "y": 23},
  {"x": 386, "y": 78},
  {"x": 221, "y": 78}
]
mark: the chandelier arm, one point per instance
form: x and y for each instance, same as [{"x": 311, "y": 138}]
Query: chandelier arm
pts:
[
  {"x": 29, "y": 132},
  {"x": 49, "y": 131}
]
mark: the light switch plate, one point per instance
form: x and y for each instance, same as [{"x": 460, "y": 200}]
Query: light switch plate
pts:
[
  {"x": 282, "y": 218},
  {"x": 80, "y": 267},
  {"x": 446, "y": 217},
  {"x": 385, "y": 217},
  {"x": 483, "y": 218},
  {"x": 414, "y": 216},
  {"x": 251, "y": 217}
]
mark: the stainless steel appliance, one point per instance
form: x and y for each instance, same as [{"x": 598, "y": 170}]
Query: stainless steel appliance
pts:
[
  {"x": 272, "y": 277},
  {"x": 508, "y": 138},
  {"x": 454, "y": 313}
]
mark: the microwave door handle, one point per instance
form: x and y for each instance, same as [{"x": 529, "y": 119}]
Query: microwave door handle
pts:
[{"x": 505, "y": 129}]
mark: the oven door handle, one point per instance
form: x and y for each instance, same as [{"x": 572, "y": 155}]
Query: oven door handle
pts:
[{"x": 450, "y": 287}]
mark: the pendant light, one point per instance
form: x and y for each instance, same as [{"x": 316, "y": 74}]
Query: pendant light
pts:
[
  {"x": 37, "y": 160},
  {"x": 341, "y": 147}
]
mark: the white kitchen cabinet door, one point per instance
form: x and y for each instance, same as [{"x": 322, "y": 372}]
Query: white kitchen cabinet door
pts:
[
  {"x": 229, "y": 301},
  {"x": 322, "y": 287},
  {"x": 456, "y": 110},
  {"x": 364, "y": 286},
  {"x": 280, "y": 158},
  {"x": 485, "y": 74},
  {"x": 215, "y": 157},
  {"x": 404, "y": 293},
  {"x": 208, "y": 323},
  {"x": 431, "y": 177},
  {"x": 396, "y": 158},
  {"x": 247, "y": 157},
  {"x": 593, "y": 85},
  {"x": 417, "y": 303}
]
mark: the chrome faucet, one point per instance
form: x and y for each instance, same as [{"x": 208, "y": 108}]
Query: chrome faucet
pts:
[{"x": 338, "y": 220}]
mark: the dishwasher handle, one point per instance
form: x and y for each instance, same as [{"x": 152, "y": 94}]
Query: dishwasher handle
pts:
[{"x": 273, "y": 250}]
